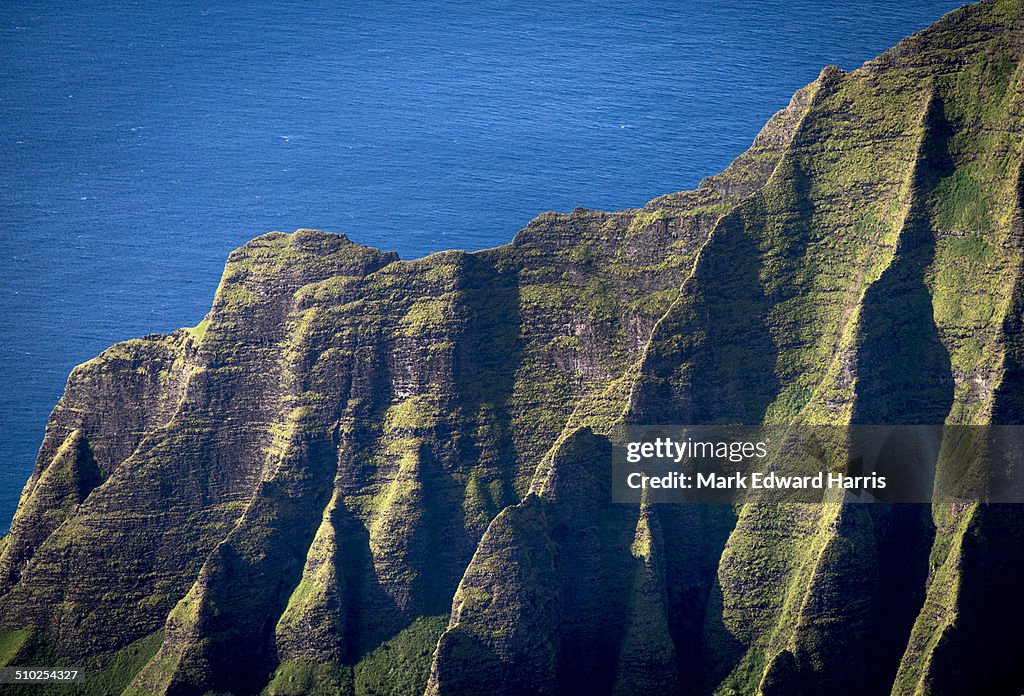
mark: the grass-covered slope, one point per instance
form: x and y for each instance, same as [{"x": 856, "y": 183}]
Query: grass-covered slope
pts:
[{"x": 287, "y": 497}]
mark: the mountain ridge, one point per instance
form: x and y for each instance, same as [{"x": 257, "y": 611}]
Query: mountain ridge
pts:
[{"x": 349, "y": 443}]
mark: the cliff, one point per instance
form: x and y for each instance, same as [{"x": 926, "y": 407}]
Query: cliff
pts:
[{"x": 365, "y": 475}]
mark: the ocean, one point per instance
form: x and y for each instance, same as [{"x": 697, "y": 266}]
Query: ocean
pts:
[{"x": 141, "y": 142}]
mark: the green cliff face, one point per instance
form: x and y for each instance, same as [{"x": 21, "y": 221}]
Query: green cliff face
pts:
[{"x": 365, "y": 475}]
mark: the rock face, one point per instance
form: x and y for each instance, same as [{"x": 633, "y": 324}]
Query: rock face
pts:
[{"x": 287, "y": 496}]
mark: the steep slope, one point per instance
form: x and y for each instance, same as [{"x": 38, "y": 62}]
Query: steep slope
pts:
[
  {"x": 349, "y": 443},
  {"x": 323, "y": 452},
  {"x": 871, "y": 280}
]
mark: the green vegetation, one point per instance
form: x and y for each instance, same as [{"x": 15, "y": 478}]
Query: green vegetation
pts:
[
  {"x": 200, "y": 329},
  {"x": 107, "y": 673},
  {"x": 400, "y": 665},
  {"x": 112, "y": 673},
  {"x": 11, "y": 641},
  {"x": 299, "y": 678}
]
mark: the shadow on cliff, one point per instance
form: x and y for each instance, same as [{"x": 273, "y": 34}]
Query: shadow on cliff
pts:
[
  {"x": 457, "y": 472},
  {"x": 487, "y": 357},
  {"x": 713, "y": 359},
  {"x": 904, "y": 377},
  {"x": 983, "y": 648}
]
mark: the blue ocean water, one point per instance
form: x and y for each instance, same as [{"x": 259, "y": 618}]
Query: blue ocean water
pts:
[{"x": 141, "y": 142}]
